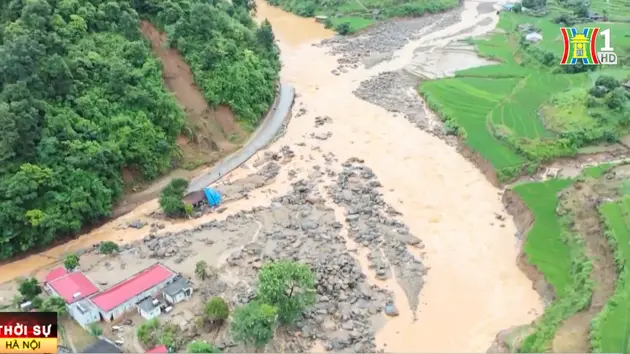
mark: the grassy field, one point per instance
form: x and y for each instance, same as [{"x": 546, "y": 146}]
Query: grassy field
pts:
[
  {"x": 559, "y": 254},
  {"x": 544, "y": 247},
  {"x": 516, "y": 112},
  {"x": 612, "y": 327}
]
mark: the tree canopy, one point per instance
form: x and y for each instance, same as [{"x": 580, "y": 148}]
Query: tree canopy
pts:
[{"x": 82, "y": 99}]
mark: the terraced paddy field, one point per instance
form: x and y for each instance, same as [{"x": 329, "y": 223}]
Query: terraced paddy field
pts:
[
  {"x": 527, "y": 110},
  {"x": 509, "y": 112},
  {"x": 578, "y": 246},
  {"x": 617, "y": 10}
]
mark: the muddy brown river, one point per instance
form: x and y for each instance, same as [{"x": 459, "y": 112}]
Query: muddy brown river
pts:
[{"x": 473, "y": 288}]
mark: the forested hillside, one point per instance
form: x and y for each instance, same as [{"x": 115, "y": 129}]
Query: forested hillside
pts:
[
  {"x": 234, "y": 62},
  {"x": 82, "y": 98}
]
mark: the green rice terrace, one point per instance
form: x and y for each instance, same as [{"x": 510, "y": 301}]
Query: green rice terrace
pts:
[
  {"x": 579, "y": 244},
  {"x": 526, "y": 111}
]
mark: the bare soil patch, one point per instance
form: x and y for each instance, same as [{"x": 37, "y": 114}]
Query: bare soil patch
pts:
[
  {"x": 210, "y": 126},
  {"x": 212, "y": 132},
  {"x": 581, "y": 201}
]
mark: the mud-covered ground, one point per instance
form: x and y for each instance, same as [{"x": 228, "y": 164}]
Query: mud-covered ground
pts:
[{"x": 302, "y": 226}]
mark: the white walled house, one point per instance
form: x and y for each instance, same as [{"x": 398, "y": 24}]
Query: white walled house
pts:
[
  {"x": 178, "y": 291},
  {"x": 149, "y": 308}
]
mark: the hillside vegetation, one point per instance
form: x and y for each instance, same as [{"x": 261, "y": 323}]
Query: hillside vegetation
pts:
[
  {"x": 352, "y": 15},
  {"x": 82, "y": 98}
]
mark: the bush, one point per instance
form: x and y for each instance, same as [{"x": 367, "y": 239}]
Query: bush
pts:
[
  {"x": 201, "y": 347},
  {"x": 253, "y": 324},
  {"x": 608, "y": 82},
  {"x": 617, "y": 99},
  {"x": 172, "y": 198},
  {"x": 517, "y": 8},
  {"x": 95, "y": 330},
  {"x": 152, "y": 333},
  {"x": 108, "y": 247},
  {"x": 37, "y": 302},
  {"x": 29, "y": 289},
  {"x": 146, "y": 331},
  {"x": 71, "y": 262},
  {"x": 216, "y": 310},
  {"x": 343, "y": 28},
  {"x": 289, "y": 286}
]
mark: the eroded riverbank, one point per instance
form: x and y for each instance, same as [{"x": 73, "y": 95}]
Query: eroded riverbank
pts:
[{"x": 472, "y": 288}]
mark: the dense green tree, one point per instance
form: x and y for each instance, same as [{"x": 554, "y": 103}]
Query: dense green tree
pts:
[
  {"x": 289, "y": 286},
  {"x": 71, "y": 262},
  {"x": 254, "y": 324},
  {"x": 172, "y": 198},
  {"x": 29, "y": 288},
  {"x": 82, "y": 99},
  {"x": 54, "y": 304},
  {"x": 216, "y": 310}
]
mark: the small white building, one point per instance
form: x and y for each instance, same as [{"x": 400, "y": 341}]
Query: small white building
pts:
[
  {"x": 178, "y": 291},
  {"x": 533, "y": 37},
  {"x": 149, "y": 308}
]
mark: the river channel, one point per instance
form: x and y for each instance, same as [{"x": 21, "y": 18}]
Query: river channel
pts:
[{"x": 473, "y": 288}]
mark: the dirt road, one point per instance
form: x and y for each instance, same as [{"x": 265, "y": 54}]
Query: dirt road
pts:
[{"x": 264, "y": 135}]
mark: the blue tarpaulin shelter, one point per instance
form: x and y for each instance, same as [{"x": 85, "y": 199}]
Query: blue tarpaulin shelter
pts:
[{"x": 214, "y": 198}]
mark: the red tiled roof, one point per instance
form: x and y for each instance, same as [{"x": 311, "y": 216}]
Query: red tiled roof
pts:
[
  {"x": 127, "y": 289},
  {"x": 159, "y": 349},
  {"x": 55, "y": 274},
  {"x": 73, "y": 283}
]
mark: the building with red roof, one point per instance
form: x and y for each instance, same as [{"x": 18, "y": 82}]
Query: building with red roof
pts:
[
  {"x": 55, "y": 273},
  {"x": 87, "y": 303},
  {"x": 72, "y": 287},
  {"x": 159, "y": 349},
  {"x": 122, "y": 297},
  {"x": 75, "y": 288}
]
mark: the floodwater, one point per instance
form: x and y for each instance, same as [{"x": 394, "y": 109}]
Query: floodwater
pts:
[{"x": 473, "y": 288}]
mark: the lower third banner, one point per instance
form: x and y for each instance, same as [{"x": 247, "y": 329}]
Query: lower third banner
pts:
[{"x": 28, "y": 332}]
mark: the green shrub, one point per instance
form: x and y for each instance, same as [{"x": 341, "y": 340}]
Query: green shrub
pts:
[
  {"x": 216, "y": 310},
  {"x": 29, "y": 288},
  {"x": 108, "y": 247},
  {"x": 343, "y": 28},
  {"x": 254, "y": 324}
]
